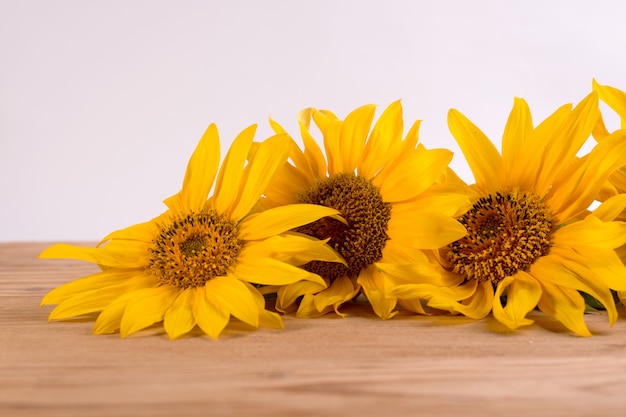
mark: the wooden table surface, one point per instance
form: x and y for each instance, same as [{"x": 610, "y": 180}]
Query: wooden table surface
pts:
[{"x": 358, "y": 365}]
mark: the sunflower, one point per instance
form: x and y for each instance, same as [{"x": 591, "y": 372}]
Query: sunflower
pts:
[
  {"x": 196, "y": 263},
  {"x": 393, "y": 195},
  {"x": 531, "y": 241}
]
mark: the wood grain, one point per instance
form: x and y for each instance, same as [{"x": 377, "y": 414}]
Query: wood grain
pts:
[{"x": 360, "y": 365}]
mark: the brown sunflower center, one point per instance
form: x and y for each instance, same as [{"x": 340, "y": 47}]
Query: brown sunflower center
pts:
[
  {"x": 507, "y": 232},
  {"x": 362, "y": 240},
  {"x": 194, "y": 249}
]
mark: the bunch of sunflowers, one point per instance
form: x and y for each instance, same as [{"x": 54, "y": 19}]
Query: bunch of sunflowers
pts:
[{"x": 374, "y": 215}]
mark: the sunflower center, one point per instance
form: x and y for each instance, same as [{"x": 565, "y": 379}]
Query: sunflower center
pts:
[
  {"x": 507, "y": 232},
  {"x": 194, "y": 249},
  {"x": 362, "y": 240}
]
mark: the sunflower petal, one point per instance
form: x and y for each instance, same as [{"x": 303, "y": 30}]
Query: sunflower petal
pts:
[
  {"x": 523, "y": 294},
  {"x": 268, "y": 271},
  {"x": 557, "y": 269},
  {"x": 413, "y": 175},
  {"x": 209, "y": 317},
  {"x": 292, "y": 248},
  {"x": 97, "y": 299},
  {"x": 262, "y": 169},
  {"x": 376, "y": 290},
  {"x": 568, "y": 139},
  {"x": 385, "y": 136},
  {"x": 611, "y": 208},
  {"x": 179, "y": 319},
  {"x": 146, "y": 308},
  {"x": 426, "y": 230},
  {"x": 565, "y": 305},
  {"x": 476, "y": 306},
  {"x": 288, "y": 294},
  {"x": 281, "y": 219},
  {"x": 134, "y": 257},
  {"x": 232, "y": 296},
  {"x": 110, "y": 318},
  {"x": 340, "y": 291},
  {"x": 354, "y": 131},
  {"x": 144, "y": 232},
  {"x": 615, "y": 98},
  {"x": 110, "y": 277},
  {"x": 514, "y": 140},
  {"x": 201, "y": 171},
  {"x": 592, "y": 232},
  {"x": 482, "y": 156},
  {"x": 231, "y": 172}
]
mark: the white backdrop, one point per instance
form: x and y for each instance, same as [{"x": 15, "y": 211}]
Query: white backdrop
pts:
[{"x": 102, "y": 102}]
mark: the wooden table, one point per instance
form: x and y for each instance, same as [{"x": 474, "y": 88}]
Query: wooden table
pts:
[{"x": 359, "y": 365}]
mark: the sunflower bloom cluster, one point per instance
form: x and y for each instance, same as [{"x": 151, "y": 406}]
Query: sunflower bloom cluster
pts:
[{"x": 374, "y": 216}]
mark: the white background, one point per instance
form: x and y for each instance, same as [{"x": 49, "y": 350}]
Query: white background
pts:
[{"x": 102, "y": 102}]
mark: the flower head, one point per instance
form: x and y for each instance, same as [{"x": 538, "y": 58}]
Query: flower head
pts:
[
  {"x": 531, "y": 240},
  {"x": 196, "y": 263},
  {"x": 395, "y": 199}
]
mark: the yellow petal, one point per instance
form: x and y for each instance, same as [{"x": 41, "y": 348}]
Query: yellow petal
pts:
[
  {"x": 560, "y": 271},
  {"x": 268, "y": 271},
  {"x": 413, "y": 175},
  {"x": 418, "y": 273},
  {"x": 271, "y": 320},
  {"x": 426, "y": 230},
  {"x": 110, "y": 277},
  {"x": 127, "y": 255},
  {"x": 476, "y": 306},
  {"x": 110, "y": 318},
  {"x": 179, "y": 319},
  {"x": 568, "y": 139},
  {"x": 292, "y": 248},
  {"x": 481, "y": 155},
  {"x": 611, "y": 208},
  {"x": 261, "y": 170},
  {"x": 281, "y": 219},
  {"x": 515, "y": 140},
  {"x": 522, "y": 296},
  {"x": 354, "y": 131},
  {"x": 201, "y": 171},
  {"x": 376, "y": 290},
  {"x": 288, "y": 294},
  {"x": 340, "y": 291},
  {"x": 230, "y": 174},
  {"x": 209, "y": 317},
  {"x": 565, "y": 305},
  {"x": 312, "y": 151},
  {"x": 386, "y": 134},
  {"x": 232, "y": 296},
  {"x": 605, "y": 263},
  {"x": 308, "y": 309},
  {"x": 576, "y": 191},
  {"x": 413, "y": 305},
  {"x": 615, "y": 98},
  {"x": 144, "y": 232},
  {"x": 591, "y": 232},
  {"x": 98, "y": 298},
  {"x": 146, "y": 308},
  {"x": 531, "y": 156},
  {"x": 331, "y": 130}
]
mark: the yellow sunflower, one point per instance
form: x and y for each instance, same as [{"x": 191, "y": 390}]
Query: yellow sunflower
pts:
[
  {"x": 196, "y": 263},
  {"x": 393, "y": 195},
  {"x": 531, "y": 242}
]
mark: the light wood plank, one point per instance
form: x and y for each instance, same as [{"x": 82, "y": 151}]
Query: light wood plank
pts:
[{"x": 357, "y": 365}]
